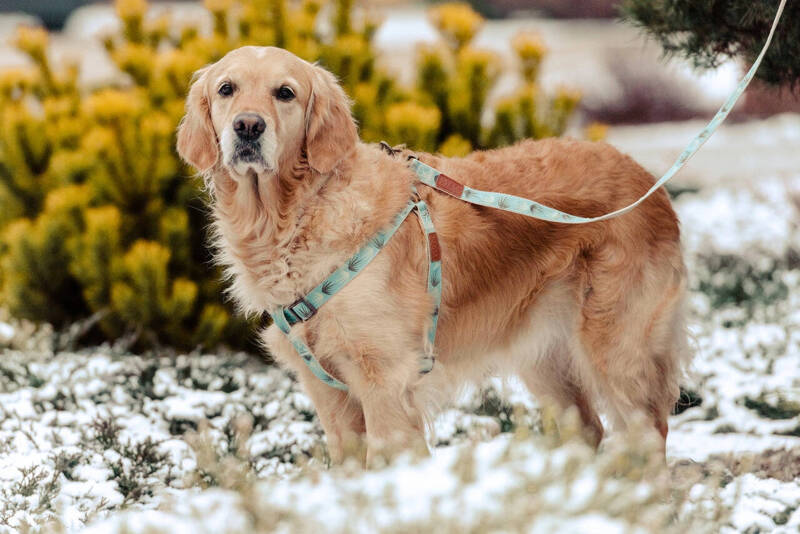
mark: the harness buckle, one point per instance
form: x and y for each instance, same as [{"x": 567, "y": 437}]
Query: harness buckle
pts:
[{"x": 302, "y": 309}]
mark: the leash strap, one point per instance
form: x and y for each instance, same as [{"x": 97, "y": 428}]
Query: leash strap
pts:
[
  {"x": 432, "y": 177},
  {"x": 306, "y": 307}
]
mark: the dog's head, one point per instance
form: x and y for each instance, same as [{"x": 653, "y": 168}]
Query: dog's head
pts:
[{"x": 260, "y": 108}]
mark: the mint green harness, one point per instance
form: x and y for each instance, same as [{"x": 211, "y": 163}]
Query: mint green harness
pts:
[{"x": 304, "y": 308}]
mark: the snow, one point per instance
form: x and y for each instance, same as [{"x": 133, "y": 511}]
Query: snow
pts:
[
  {"x": 6, "y": 332},
  {"x": 106, "y": 442},
  {"x": 740, "y": 219}
]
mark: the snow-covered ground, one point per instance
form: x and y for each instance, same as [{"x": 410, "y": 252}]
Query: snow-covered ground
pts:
[{"x": 226, "y": 443}]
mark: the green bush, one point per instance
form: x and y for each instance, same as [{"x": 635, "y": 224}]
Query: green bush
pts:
[{"x": 99, "y": 216}]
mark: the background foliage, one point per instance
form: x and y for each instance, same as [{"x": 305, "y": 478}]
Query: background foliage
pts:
[
  {"x": 98, "y": 215},
  {"x": 709, "y": 31}
]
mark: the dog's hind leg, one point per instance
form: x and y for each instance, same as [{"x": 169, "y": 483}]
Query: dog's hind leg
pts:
[
  {"x": 553, "y": 379},
  {"x": 635, "y": 338}
]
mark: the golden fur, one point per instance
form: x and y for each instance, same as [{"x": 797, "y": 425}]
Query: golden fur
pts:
[{"x": 587, "y": 315}]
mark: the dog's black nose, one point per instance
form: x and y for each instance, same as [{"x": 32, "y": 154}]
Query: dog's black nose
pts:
[{"x": 249, "y": 126}]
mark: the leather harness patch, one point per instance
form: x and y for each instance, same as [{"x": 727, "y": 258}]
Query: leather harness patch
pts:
[
  {"x": 448, "y": 185},
  {"x": 435, "y": 249}
]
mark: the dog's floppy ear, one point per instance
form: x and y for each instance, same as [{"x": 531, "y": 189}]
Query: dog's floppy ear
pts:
[
  {"x": 330, "y": 129},
  {"x": 197, "y": 142}
]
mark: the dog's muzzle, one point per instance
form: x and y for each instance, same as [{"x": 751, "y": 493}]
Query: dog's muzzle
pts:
[
  {"x": 248, "y": 128},
  {"x": 247, "y": 152}
]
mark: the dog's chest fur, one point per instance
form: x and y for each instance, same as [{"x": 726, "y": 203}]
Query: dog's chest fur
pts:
[{"x": 276, "y": 245}]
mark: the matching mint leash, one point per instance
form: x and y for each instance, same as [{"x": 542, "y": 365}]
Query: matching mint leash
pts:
[
  {"x": 432, "y": 177},
  {"x": 306, "y": 307}
]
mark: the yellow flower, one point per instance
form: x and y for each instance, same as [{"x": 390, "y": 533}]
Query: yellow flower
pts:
[
  {"x": 187, "y": 35},
  {"x": 364, "y": 110},
  {"x": 67, "y": 198},
  {"x": 131, "y": 8},
  {"x": 157, "y": 124},
  {"x": 413, "y": 124},
  {"x": 371, "y": 24},
  {"x": 158, "y": 28},
  {"x": 68, "y": 165},
  {"x": 32, "y": 40},
  {"x": 17, "y": 230},
  {"x": 530, "y": 50},
  {"x": 110, "y": 104},
  {"x": 352, "y": 46},
  {"x": 566, "y": 99},
  {"x": 529, "y": 45},
  {"x": 137, "y": 60},
  {"x": 455, "y": 146},
  {"x": 178, "y": 66},
  {"x": 596, "y": 131},
  {"x": 55, "y": 107},
  {"x": 98, "y": 140},
  {"x": 433, "y": 66},
  {"x": 17, "y": 79},
  {"x": 473, "y": 61},
  {"x": 312, "y": 7},
  {"x": 218, "y": 5},
  {"x": 457, "y": 22}
]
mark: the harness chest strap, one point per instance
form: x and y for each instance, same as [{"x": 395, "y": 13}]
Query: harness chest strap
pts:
[{"x": 306, "y": 307}]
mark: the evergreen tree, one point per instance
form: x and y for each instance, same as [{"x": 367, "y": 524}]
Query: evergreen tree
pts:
[{"x": 710, "y": 31}]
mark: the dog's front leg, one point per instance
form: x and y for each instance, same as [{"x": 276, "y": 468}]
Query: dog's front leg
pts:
[
  {"x": 392, "y": 422},
  {"x": 339, "y": 413}
]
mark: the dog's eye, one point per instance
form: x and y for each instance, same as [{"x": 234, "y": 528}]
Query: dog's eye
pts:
[
  {"x": 284, "y": 93},
  {"x": 226, "y": 89}
]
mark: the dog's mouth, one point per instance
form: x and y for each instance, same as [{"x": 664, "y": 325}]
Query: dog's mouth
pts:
[
  {"x": 246, "y": 158},
  {"x": 247, "y": 152}
]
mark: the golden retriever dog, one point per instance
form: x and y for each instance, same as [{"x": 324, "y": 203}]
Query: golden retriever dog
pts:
[{"x": 588, "y": 315}]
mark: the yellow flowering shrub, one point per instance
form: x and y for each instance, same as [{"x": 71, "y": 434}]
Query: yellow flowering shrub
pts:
[
  {"x": 98, "y": 215},
  {"x": 458, "y": 78}
]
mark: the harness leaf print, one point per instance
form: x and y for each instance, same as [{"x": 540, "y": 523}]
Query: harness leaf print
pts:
[
  {"x": 329, "y": 287},
  {"x": 354, "y": 264},
  {"x": 378, "y": 241}
]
